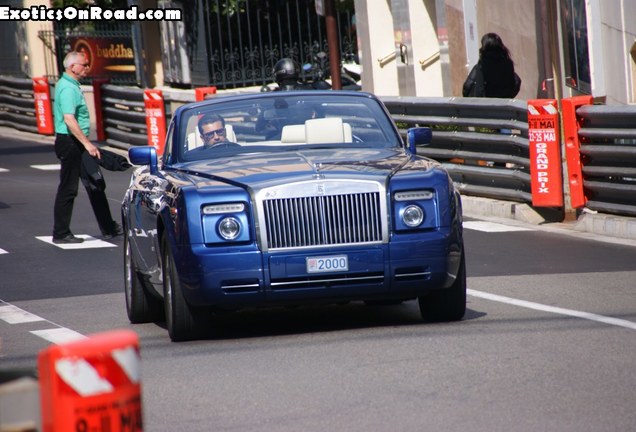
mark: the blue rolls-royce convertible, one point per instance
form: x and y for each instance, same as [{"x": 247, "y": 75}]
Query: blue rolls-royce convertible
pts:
[{"x": 286, "y": 199}]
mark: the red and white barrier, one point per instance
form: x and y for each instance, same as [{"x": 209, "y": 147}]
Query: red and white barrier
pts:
[
  {"x": 155, "y": 119},
  {"x": 43, "y": 108},
  {"x": 92, "y": 385},
  {"x": 545, "y": 155}
]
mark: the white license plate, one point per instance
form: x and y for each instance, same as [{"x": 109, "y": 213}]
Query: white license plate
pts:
[{"x": 325, "y": 264}]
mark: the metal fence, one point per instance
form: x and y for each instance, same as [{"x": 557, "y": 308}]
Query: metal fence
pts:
[
  {"x": 483, "y": 143},
  {"x": 17, "y": 104},
  {"x": 607, "y": 137},
  {"x": 236, "y": 45},
  {"x": 122, "y": 115}
]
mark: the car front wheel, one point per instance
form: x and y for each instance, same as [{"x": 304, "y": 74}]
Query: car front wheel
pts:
[
  {"x": 447, "y": 304},
  {"x": 184, "y": 322}
]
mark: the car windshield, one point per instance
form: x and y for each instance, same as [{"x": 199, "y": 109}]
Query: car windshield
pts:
[{"x": 283, "y": 122}]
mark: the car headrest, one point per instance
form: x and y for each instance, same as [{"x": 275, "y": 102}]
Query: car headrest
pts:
[{"x": 327, "y": 130}]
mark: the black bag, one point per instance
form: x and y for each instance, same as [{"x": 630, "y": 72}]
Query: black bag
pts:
[{"x": 474, "y": 85}]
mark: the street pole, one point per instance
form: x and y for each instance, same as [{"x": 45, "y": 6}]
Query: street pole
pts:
[{"x": 334, "y": 44}]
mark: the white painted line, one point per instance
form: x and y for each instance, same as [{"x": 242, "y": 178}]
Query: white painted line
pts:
[
  {"x": 4, "y": 170},
  {"x": 552, "y": 309},
  {"x": 2, "y": 251},
  {"x": 14, "y": 315},
  {"x": 89, "y": 243},
  {"x": 58, "y": 335},
  {"x": 47, "y": 167},
  {"x": 492, "y": 227}
]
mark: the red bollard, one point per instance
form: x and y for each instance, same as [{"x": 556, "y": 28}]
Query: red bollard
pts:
[
  {"x": 155, "y": 119},
  {"x": 92, "y": 384},
  {"x": 43, "y": 108},
  {"x": 203, "y": 93},
  {"x": 545, "y": 155},
  {"x": 571, "y": 126}
]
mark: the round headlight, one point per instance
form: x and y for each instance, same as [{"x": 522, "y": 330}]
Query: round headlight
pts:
[
  {"x": 412, "y": 216},
  {"x": 229, "y": 228}
]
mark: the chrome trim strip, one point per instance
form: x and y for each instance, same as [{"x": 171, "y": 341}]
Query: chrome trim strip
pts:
[
  {"x": 405, "y": 275},
  {"x": 230, "y": 287},
  {"x": 305, "y": 282}
]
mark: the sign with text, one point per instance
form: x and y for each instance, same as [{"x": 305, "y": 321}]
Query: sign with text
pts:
[
  {"x": 43, "y": 108},
  {"x": 155, "y": 119},
  {"x": 109, "y": 57},
  {"x": 545, "y": 154}
]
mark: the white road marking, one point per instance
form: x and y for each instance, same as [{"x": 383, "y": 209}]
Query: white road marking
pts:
[
  {"x": 552, "y": 309},
  {"x": 492, "y": 227},
  {"x": 14, "y": 315},
  {"x": 89, "y": 243},
  {"x": 47, "y": 167},
  {"x": 4, "y": 170},
  {"x": 2, "y": 251},
  {"x": 58, "y": 335}
]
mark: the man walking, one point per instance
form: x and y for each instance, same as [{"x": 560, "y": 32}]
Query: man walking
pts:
[{"x": 72, "y": 126}]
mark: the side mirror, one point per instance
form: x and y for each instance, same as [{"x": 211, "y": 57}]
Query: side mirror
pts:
[
  {"x": 418, "y": 136},
  {"x": 144, "y": 156}
]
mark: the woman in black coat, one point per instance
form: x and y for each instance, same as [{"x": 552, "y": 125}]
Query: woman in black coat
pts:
[{"x": 494, "y": 75}]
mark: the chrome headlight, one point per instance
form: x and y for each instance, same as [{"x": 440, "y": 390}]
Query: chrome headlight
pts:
[
  {"x": 412, "y": 216},
  {"x": 229, "y": 228}
]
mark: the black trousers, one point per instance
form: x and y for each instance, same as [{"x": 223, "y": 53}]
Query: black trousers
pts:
[{"x": 69, "y": 151}]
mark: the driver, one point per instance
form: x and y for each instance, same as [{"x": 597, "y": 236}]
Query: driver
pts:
[{"x": 212, "y": 130}]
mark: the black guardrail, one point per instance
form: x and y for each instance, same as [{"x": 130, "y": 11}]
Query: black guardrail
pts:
[
  {"x": 17, "y": 104},
  {"x": 607, "y": 137},
  {"x": 123, "y": 115},
  {"x": 483, "y": 143}
]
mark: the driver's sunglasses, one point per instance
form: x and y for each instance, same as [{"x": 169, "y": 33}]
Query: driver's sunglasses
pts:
[
  {"x": 83, "y": 64},
  {"x": 210, "y": 135}
]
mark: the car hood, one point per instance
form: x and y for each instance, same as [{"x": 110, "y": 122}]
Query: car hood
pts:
[{"x": 259, "y": 170}]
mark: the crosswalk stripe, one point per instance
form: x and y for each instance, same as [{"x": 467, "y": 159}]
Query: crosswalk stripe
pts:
[
  {"x": 89, "y": 242},
  {"x": 492, "y": 227},
  {"x": 46, "y": 167}
]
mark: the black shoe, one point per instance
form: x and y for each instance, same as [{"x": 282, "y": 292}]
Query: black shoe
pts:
[
  {"x": 114, "y": 233},
  {"x": 68, "y": 239}
]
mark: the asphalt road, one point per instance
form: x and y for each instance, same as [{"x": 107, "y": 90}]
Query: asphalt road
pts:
[{"x": 547, "y": 344}]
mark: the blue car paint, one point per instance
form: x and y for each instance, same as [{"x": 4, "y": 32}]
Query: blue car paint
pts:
[{"x": 432, "y": 253}]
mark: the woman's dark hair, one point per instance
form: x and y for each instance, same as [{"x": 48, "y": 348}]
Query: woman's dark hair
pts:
[{"x": 491, "y": 44}]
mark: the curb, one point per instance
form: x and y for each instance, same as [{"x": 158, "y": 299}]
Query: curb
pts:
[{"x": 601, "y": 224}]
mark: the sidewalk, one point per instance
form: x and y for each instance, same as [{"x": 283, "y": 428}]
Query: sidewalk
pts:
[{"x": 617, "y": 229}]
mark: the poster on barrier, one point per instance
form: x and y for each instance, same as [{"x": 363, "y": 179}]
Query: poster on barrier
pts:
[
  {"x": 43, "y": 108},
  {"x": 545, "y": 154},
  {"x": 155, "y": 119}
]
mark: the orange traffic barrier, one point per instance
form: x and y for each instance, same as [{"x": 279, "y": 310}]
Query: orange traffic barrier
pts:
[
  {"x": 43, "y": 108},
  {"x": 92, "y": 384},
  {"x": 571, "y": 126},
  {"x": 155, "y": 119},
  {"x": 202, "y": 93},
  {"x": 545, "y": 153}
]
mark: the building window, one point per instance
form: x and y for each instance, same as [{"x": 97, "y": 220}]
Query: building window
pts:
[{"x": 577, "y": 59}]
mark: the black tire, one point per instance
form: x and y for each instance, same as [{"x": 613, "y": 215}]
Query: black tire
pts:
[
  {"x": 141, "y": 307},
  {"x": 183, "y": 321},
  {"x": 447, "y": 304}
]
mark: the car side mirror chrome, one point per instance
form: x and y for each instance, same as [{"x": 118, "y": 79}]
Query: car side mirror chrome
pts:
[
  {"x": 144, "y": 156},
  {"x": 418, "y": 136}
]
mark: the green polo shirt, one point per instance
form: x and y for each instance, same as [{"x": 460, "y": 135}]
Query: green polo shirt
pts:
[{"x": 69, "y": 99}]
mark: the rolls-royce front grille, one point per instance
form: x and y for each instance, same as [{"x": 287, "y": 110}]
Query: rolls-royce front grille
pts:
[{"x": 323, "y": 220}]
